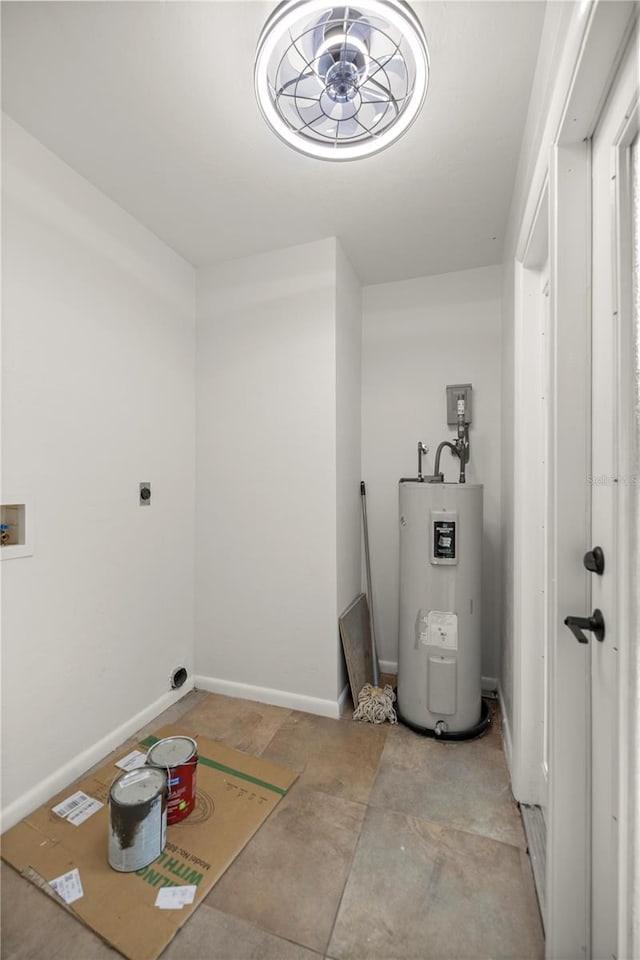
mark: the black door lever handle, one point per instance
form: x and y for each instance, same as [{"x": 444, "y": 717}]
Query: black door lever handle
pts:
[{"x": 594, "y": 623}]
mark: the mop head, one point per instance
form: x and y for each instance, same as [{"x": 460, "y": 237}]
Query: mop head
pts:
[{"x": 375, "y": 705}]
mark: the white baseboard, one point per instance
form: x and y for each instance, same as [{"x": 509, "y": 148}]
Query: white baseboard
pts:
[
  {"x": 344, "y": 698},
  {"x": 278, "y": 698},
  {"x": 506, "y": 733},
  {"x": 388, "y": 666},
  {"x": 68, "y": 772},
  {"x": 489, "y": 685}
]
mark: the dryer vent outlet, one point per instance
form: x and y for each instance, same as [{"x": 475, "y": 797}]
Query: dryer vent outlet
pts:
[{"x": 178, "y": 677}]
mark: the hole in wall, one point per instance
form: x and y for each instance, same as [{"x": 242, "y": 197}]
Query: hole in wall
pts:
[
  {"x": 12, "y": 524},
  {"x": 178, "y": 677}
]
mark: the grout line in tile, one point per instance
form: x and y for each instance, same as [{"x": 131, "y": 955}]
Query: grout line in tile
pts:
[
  {"x": 276, "y": 731},
  {"x": 296, "y": 943},
  {"x": 347, "y": 878},
  {"x": 448, "y": 827},
  {"x": 375, "y": 777},
  {"x": 257, "y": 926}
]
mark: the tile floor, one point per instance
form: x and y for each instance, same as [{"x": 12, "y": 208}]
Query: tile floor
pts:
[{"x": 389, "y": 846}]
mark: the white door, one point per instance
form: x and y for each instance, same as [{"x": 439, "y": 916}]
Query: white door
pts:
[{"x": 611, "y": 397}]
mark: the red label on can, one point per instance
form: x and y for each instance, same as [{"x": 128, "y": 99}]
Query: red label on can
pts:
[
  {"x": 181, "y": 776},
  {"x": 182, "y": 790}
]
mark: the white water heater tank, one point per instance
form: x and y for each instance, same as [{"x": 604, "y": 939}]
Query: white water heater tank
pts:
[{"x": 439, "y": 644}]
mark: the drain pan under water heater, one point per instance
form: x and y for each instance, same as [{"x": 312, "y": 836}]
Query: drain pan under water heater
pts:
[{"x": 439, "y": 644}]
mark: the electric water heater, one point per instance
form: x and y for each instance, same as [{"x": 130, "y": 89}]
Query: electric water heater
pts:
[{"x": 439, "y": 644}]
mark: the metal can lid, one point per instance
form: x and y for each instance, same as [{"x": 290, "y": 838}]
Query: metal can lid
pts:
[
  {"x": 138, "y": 786},
  {"x": 172, "y": 751}
]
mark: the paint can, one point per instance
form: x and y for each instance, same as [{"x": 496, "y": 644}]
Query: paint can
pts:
[
  {"x": 137, "y": 818},
  {"x": 179, "y": 757}
]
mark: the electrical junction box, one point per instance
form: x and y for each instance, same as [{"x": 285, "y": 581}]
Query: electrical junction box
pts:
[{"x": 453, "y": 392}]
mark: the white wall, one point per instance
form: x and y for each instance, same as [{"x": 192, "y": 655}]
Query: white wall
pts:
[
  {"x": 418, "y": 336},
  {"x": 267, "y": 550},
  {"x": 98, "y": 395},
  {"x": 348, "y": 435}
]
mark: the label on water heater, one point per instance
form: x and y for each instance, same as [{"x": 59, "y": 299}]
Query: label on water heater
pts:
[
  {"x": 444, "y": 530},
  {"x": 444, "y": 541},
  {"x": 441, "y": 630}
]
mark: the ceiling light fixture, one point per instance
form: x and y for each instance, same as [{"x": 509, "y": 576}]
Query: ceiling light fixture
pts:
[{"x": 341, "y": 82}]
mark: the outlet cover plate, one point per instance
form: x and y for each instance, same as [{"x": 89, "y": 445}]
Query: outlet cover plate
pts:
[{"x": 453, "y": 392}]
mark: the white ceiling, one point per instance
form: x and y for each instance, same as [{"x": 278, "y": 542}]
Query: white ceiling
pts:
[{"x": 153, "y": 103}]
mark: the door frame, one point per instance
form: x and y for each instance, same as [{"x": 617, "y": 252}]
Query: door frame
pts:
[
  {"x": 628, "y": 500},
  {"x": 630, "y": 868},
  {"x": 613, "y": 485},
  {"x": 596, "y": 40},
  {"x": 531, "y": 512}
]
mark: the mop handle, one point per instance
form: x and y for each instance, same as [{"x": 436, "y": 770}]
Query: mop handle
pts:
[{"x": 374, "y": 655}]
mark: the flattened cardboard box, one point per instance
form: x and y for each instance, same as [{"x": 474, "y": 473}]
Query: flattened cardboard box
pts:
[{"x": 235, "y": 793}]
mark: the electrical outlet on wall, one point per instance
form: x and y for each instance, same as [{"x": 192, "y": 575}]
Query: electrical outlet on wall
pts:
[
  {"x": 453, "y": 392},
  {"x": 145, "y": 494}
]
